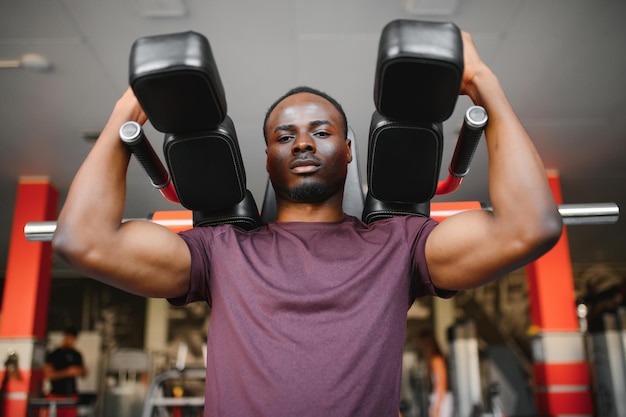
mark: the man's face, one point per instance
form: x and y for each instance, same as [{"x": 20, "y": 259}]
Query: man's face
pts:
[
  {"x": 69, "y": 340},
  {"x": 307, "y": 151}
]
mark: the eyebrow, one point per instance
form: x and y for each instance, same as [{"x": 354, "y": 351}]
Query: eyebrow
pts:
[{"x": 312, "y": 123}]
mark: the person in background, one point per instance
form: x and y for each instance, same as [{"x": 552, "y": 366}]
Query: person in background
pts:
[
  {"x": 440, "y": 398},
  {"x": 63, "y": 365}
]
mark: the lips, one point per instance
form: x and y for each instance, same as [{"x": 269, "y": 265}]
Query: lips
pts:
[{"x": 304, "y": 165}]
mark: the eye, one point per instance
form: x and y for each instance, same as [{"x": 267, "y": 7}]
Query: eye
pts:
[
  {"x": 322, "y": 134},
  {"x": 284, "y": 138}
]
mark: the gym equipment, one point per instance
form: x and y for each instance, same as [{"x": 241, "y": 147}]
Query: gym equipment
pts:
[
  {"x": 418, "y": 71},
  {"x": 608, "y": 358},
  {"x": 176, "y": 80},
  {"x": 36, "y": 406},
  {"x": 124, "y": 382},
  {"x": 164, "y": 390},
  {"x": 178, "y": 71},
  {"x": 131, "y": 133},
  {"x": 465, "y": 369},
  {"x": 472, "y": 129},
  {"x": 572, "y": 214},
  {"x": 179, "y": 68},
  {"x": 418, "y": 77},
  {"x": 178, "y": 391},
  {"x": 465, "y": 374}
]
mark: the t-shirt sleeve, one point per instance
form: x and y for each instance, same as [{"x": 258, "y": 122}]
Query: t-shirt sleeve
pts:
[
  {"x": 200, "y": 266},
  {"x": 49, "y": 357},
  {"x": 422, "y": 284}
]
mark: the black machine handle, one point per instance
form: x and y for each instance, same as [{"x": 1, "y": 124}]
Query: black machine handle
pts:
[
  {"x": 469, "y": 137},
  {"x": 131, "y": 133},
  {"x": 473, "y": 126}
]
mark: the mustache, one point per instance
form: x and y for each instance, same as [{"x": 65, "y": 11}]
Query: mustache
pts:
[{"x": 306, "y": 157}]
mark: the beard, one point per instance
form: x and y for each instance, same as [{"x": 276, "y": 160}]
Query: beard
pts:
[{"x": 309, "y": 192}]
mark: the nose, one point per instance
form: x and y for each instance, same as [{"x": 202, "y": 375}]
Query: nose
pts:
[{"x": 303, "y": 143}]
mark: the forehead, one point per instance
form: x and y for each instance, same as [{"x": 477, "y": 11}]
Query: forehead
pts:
[{"x": 305, "y": 106}]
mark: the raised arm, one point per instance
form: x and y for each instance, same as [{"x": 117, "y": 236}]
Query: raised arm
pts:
[
  {"x": 137, "y": 256},
  {"x": 475, "y": 247}
]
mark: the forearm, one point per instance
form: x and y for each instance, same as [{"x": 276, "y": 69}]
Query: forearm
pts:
[
  {"x": 52, "y": 374},
  {"x": 472, "y": 248},
  {"x": 518, "y": 187},
  {"x": 97, "y": 194},
  {"x": 139, "y": 257}
]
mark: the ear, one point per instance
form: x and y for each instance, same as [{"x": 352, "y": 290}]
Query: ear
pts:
[
  {"x": 266, "y": 162},
  {"x": 348, "y": 150}
]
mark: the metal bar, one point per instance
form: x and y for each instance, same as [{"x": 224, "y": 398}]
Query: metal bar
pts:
[
  {"x": 598, "y": 213},
  {"x": 43, "y": 231},
  {"x": 182, "y": 401},
  {"x": 573, "y": 215}
]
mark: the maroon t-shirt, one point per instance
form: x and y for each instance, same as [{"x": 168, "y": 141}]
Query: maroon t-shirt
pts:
[{"x": 307, "y": 319}]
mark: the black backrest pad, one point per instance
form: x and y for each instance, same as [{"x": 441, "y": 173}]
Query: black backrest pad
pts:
[
  {"x": 418, "y": 71},
  {"x": 206, "y": 167},
  {"x": 244, "y": 214},
  {"x": 175, "y": 78}
]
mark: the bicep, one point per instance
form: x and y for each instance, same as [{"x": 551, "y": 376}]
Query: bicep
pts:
[
  {"x": 469, "y": 249},
  {"x": 143, "y": 258}
]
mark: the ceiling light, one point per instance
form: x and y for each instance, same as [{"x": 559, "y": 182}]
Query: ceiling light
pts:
[{"x": 33, "y": 62}]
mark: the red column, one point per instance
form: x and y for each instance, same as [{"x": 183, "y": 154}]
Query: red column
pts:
[
  {"x": 23, "y": 320},
  {"x": 561, "y": 374}
]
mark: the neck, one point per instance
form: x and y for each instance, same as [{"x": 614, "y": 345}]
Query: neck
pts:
[{"x": 327, "y": 211}]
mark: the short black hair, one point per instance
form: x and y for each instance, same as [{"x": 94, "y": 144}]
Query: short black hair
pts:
[
  {"x": 310, "y": 90},
  {"x": 71, "y": 330}
]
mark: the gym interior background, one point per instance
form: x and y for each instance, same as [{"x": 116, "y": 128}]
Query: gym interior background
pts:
[{"x": 63, "y": 63}]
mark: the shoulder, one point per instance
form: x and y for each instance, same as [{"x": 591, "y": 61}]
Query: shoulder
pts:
[
  {"x": 411, "y": 225},
  {"x": 51, "y": 354},
  {"x": 204, "y": 242},
  {"x": 207, "y": 233}
]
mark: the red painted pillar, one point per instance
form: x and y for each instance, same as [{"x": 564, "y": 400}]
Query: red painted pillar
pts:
[
  {"x": 23, "y": 320},
  {"x": 560, "y": 370}
]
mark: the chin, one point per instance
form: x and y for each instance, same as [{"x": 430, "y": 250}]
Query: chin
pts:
[{"x": 309, "y": 193}]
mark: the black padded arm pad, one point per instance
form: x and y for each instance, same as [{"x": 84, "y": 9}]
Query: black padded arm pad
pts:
[
  {"x": 176, "y": 81},
  {"x": 418, "y": 71},
  {"x": 244, "y": 214},
  {"x": 206, "y": 167},
  {"x": 403, "y": 160},
  {"x": 375, "y": 210}
]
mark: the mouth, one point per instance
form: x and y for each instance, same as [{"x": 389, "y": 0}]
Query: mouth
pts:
[{"x": 304, "y": 165}]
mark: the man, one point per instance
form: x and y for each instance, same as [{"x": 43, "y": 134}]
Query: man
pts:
[
  {"x": 309, "y": 313},
  {"x": 63, "y": 365}
]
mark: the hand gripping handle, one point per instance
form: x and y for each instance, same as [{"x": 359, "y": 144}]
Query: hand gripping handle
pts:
[{"x": 133, "y": 137}]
